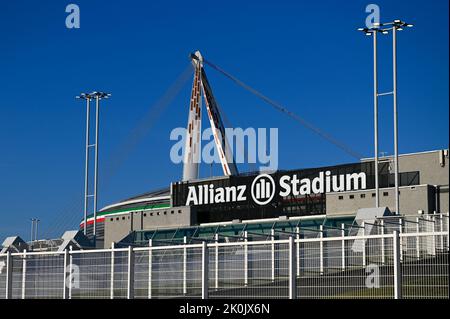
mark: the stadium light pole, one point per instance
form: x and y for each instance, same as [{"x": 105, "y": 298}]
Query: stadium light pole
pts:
[
  {"x": 87, "y": 97},
  {"x": 373, "y": 32},
  {"x": 32, "y": 229},
  {"x": 98, "y": 96},
  {"x": 396, "y": 25}
]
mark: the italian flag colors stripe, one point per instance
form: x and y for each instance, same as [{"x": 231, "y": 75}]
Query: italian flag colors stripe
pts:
[{"x": 102, "y": 215}]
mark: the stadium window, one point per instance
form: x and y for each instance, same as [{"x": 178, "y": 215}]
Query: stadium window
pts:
[
  {"x": 363, "y": 195},
  {"x": 179, "y": 211},
  {"x": 145, "y": 214},
  {"x": 151, "y": 214},
  {"x": 165, "y": 213},
  {"x": 111, "y": 219},
  {"x": 157, "y": 213},
  {"x": 171, "y": 212},
  {"x": 117, "y": 218},
  {"x": 123, "y": 218},
  {"x": 352, "y": 196},
  {"x": 341, "y": 197},
  {"x": 373, "y": 194},
  {"x": 385, "y": 194}
]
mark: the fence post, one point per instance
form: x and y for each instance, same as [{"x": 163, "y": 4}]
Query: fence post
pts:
[
  {"x": 150, "y": 267},
  {"x": 441, "y": 226},
  {"x": 205, "y": 273},
  {"x": 216, "y": 261},
  {"x": 292, "y": 277},
  {"x": 111, "y": 285},
  {"x": 321, "y": 249},
  {"x": 272, "y": 233},
  {"x": 67, "y": 280},
  {"x": 383, "y": 256},
  {"x": 363, "y": 225},
  {"x": 343, "y": 246},
  {"x": 245, "y": 258},
  {"x": 297, "y": 255},
  {"x": 24, "y": 273},
  {"x": 417, "y": 238},
  {"x": 184, "y": 265},
  {"x": 448, "y": 234},
  {"x": 433, "y": 238},
  {"x": 130, "y": 273},
  {"x": 8, "y": 275},
  {"x": 70, "y": 270},
  {"x": 397, "y": 266}
]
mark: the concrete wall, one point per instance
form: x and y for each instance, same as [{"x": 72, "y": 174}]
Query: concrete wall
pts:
[
  {"x": 412, "y": 199},
  {"x": 119, "y": 226},
  {"x": 433, "y": 166}
]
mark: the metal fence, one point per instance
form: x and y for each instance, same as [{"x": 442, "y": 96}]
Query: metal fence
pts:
[{"x": 409, "y": 260}]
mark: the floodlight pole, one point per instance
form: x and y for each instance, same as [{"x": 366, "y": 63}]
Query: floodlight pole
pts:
[
  {"x": 375, "y": 115},
  {"x": 86, "y": 167},
  {"x": 97, "y": 112},
  {"x": 394, "y": 92}
]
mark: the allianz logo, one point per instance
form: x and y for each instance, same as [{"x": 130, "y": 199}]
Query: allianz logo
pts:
[{"x": 263, "y": 188}]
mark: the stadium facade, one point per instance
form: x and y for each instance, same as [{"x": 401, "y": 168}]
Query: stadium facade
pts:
[{"x": 298, "y": 195}]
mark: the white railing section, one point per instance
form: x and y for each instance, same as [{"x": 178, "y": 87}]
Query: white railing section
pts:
[{"x": 396, "y": 259}]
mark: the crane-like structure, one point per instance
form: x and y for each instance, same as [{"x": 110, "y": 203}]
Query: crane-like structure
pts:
[{"x": 192, "y": 155}]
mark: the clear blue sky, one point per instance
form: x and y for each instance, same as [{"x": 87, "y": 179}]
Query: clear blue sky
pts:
[{"x": 306, "y": 55}]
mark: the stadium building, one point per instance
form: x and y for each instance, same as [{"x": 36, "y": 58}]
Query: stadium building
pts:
[
  {"x": 284, "y": 200},
  {"x": 259, "y": 204}
]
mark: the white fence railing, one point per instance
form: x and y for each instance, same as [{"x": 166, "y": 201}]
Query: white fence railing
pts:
[{"x": 382, "y": 265}]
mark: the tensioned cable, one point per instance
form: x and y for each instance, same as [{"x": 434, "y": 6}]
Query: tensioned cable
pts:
[{"x": 291, "y": 114}]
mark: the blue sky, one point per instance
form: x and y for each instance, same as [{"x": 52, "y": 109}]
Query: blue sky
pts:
[{"x": 307, "y": 55}]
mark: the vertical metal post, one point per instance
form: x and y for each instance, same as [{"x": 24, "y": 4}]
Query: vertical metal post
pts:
[
  {"x": 441, "y": 229},
  {"x": 111, "y": 284},
  {"x": 216, "y": 261},
  {"x": 448, "y": 233},
  {"x": 397, "y": 266},
  {"x": 400, "y": 231},
  {"x": 24, "y": 273},
  {"x": 343, "y": 246},
  {"x": 184, "y": 265},
  {"x": 150, "y": 267},
  {"x": 433, "y": 237},
  {"x": 245, "y": 258},
  {"x": 9, "y": 264},
  {"x": 32, "y": 230},
  {"x": 70, "y": 270},
  {"x": 130, "y": 273},
  {"x": 297, "y": 255},
  {"x": 67, "y": 279},
  {"x": 375, "y": 104},
  {"x": 97, "y": 113},
  {"x": 272, "y": 233},
  {"x": 363, "y": 225},
  {"x": 36, "y": 229},
  {"x": 383, "y": 256},
  {"x": 417, "y": 238},
  {"x": 292, "y": 277},
  {"x": 86, "y": 166},
  {"x": 394, "y": 92},
  {"x": 205, "y": 264},
  {"x": 321, "y": 249}
]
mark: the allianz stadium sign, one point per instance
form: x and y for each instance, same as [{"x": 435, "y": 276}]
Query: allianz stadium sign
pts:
[{"x": 263, "y": 188}]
